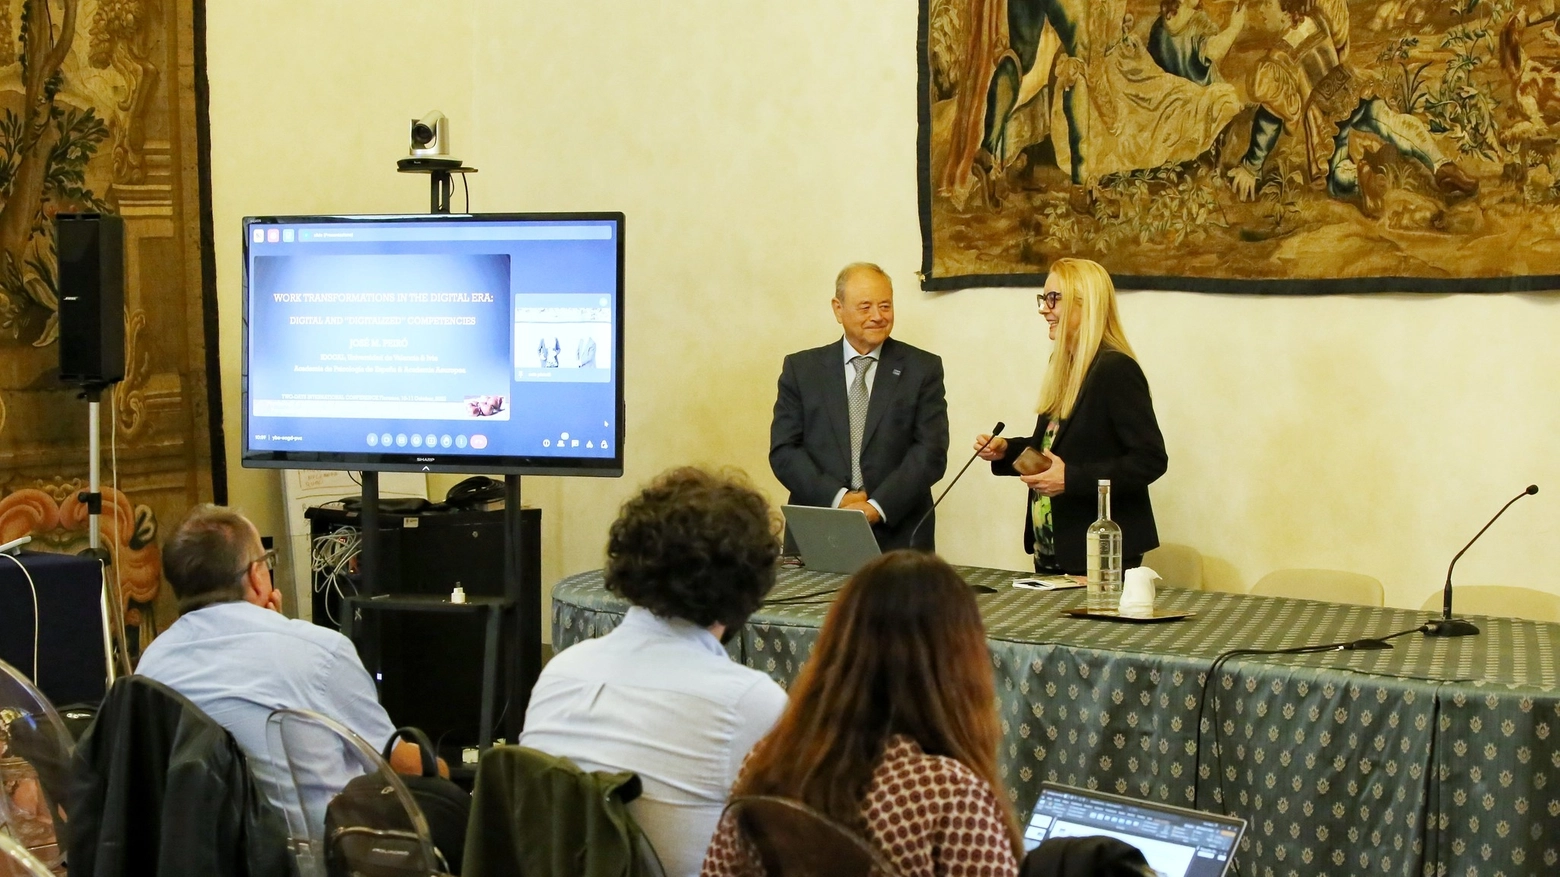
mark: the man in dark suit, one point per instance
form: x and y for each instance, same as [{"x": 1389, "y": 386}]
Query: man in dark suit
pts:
[{"x": 862, "y": 423}]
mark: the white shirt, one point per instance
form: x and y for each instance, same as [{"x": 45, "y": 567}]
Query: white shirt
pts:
[
  {"x": 659, "y": 697},
  {"x": 876, "y": 355}
]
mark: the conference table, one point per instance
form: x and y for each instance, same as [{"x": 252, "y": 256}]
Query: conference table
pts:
[{"x": 1434, "y": 757}]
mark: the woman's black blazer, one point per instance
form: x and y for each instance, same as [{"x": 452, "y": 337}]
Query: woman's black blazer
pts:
[{"x": 1112, "y": 434}]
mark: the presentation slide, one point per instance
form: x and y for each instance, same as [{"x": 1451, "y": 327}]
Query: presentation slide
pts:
[{"x": 420, "y": 337}]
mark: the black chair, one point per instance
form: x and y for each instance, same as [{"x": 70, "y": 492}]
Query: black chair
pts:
[
  {"x": 794, "y": 840},
  {"x": 157, "y": 787}
]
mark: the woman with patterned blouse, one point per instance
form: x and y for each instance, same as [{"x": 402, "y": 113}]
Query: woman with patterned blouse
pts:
[{"x": 892, "y": 730}]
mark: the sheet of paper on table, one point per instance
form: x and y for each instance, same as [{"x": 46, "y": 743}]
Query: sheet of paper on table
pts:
[{"x": 1048, "y": 583}]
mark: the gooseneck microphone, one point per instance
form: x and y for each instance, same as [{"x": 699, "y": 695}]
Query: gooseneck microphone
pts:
[
  {"x": 1446, "y": 625},
  {"x": 995, "y": 431}
]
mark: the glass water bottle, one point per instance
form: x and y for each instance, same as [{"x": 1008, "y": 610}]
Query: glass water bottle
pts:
[{"x": 1104, "y": 557}]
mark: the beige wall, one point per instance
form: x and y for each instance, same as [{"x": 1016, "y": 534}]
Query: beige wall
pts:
[{"x": 756, "y": 147}]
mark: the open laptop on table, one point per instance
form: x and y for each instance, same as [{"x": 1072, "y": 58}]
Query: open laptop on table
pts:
[
  {"x": 830, "y": 540},
  {"x": 1176, "y": 842}
]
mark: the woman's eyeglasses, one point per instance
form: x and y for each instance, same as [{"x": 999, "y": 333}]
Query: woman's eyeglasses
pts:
[{"x": 1048, "y": 299}]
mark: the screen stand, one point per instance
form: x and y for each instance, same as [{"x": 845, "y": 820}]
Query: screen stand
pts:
[
  {"x": 368, "y": 523},
  {"x": 525, "y": 597}
]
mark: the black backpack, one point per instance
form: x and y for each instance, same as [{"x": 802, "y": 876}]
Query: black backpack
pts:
[{"x": 368, "y": 834}]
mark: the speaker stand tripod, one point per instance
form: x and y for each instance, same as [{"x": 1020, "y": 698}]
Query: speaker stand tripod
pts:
[{"x": 113, "y": 618}]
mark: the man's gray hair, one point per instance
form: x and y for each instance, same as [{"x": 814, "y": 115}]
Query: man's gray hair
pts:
[
  {"x": 852, "y": 270},
  {"x": 206, "y": 557}
]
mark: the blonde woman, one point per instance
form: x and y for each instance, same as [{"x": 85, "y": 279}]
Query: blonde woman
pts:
[{"x": 1096, "y": 421}]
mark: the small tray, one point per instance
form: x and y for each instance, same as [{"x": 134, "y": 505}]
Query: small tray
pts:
[{"x": 1156, "y": 618}]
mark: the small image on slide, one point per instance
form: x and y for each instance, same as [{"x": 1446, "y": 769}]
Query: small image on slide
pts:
[
  {"x": 485, "y": 406},
  {"x": 564, "y": 345}
]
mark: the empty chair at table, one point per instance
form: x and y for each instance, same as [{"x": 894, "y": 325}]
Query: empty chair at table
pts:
[
  {"x": 1179, "y": 566},
  {"x": 1499, "y": 601},
  {"x": 1327, "y": 585}
]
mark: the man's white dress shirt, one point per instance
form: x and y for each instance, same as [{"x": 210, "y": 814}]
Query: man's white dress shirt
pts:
[{"x": 659, "y": 697}]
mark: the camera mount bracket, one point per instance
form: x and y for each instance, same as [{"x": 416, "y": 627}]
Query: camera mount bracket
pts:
[{"x": 440, "y": 173}]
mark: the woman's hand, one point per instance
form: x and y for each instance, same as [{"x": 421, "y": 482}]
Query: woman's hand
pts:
[
  {"x": 994, "y": 451},
  {"x": 1052, "y": 481}
]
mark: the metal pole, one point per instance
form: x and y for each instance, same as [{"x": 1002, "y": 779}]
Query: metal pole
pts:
[
  {"x": 94, "y": 500},
  {"x": 441, "y": 189},
  {"x": 94, "y": 519},
  {"x": 368, "y": 519},
  {"x": 366, "y": 636},
  {"x": 526, "y": 593}
]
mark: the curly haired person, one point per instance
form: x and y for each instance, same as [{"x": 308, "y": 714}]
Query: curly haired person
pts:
[{"x": 695, "y": 554}]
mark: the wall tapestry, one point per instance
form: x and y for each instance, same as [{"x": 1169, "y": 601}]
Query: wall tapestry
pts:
[
  {"x": 98, "y": 112},
  {"x": 1290, "y": 146}
]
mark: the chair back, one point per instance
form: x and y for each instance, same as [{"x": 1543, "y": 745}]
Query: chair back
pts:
[
  {"x": 794, "y": 840},
  {"x": 34, "y": 768},
  {"x": 1499, "y": 601},
  {"x": 1179, "y": 566},
  {"x": 1327, "y": 585},
  {"x": 16, "y": 861},
  {"x": 348, "y": 814},
  {"x": 541, "y": 815}
]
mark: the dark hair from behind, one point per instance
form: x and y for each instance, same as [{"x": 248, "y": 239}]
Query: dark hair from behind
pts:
[
  {"x": 695, "y": 545},
  {"x": 207, "y": 555},
  {"x": 903, "y": 651}
]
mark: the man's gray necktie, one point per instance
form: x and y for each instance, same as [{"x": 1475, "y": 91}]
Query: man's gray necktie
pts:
[{"x": 858, "y": 418}]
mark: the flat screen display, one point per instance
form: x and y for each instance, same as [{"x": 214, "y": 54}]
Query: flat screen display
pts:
[{"x": 434, "y": 343}]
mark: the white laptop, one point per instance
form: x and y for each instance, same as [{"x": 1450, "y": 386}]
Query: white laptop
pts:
[
  {"x": 830, "y": 540},
  {"x": 1176, "y": 842}
]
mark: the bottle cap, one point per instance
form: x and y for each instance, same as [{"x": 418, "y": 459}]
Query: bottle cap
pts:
[{"x": 1104, "y": 482}]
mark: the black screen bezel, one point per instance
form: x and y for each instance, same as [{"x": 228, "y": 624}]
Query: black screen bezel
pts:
[{"x": 423, "y": 461}]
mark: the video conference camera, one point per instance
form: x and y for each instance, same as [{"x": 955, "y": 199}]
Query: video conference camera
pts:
[{"x": 430, "y": 143}]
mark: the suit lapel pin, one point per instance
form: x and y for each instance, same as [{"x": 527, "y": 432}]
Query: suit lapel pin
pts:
[{"x": 896, "y": 372}]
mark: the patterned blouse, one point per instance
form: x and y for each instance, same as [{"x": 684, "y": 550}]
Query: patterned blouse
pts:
[{"x": 929, "y": 815}]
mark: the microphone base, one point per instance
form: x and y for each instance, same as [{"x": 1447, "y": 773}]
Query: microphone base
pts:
[{"x": 1450, "y": 627}]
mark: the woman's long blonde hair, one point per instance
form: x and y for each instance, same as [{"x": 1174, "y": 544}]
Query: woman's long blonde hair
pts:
[{"x": 1087, "y": 320}]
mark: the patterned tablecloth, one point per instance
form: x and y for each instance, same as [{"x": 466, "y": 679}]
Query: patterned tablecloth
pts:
[{"x": 1432, "y": 758}]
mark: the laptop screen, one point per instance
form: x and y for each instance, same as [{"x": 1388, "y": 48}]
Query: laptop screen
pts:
[{"x": 1176, "y": 842}]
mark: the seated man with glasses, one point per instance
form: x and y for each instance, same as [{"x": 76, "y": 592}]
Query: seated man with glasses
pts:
[{"x": 236, "y": 656}]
